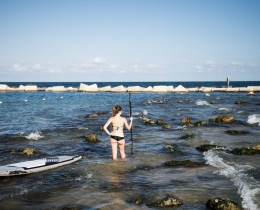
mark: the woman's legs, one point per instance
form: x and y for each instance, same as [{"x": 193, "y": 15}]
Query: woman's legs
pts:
[
  {"x": 114, "y": 148},
  {"x": 121, "y": 145}
]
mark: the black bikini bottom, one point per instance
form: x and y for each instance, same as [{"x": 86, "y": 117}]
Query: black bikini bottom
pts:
[{"x": 118, "y": 138}]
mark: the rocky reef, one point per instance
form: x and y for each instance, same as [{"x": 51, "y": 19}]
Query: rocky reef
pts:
[
  {"x": 186, "y": 163},
  {"x": 220, "y": 204}
]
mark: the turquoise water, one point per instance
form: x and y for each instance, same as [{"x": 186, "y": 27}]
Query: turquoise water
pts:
[{"x": 55, "y": 123}]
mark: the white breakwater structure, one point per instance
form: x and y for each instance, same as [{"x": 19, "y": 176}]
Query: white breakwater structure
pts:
[{"x": 121, "y": 89}]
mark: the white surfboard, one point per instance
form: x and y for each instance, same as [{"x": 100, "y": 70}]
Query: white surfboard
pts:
[{"x": 38, "y": 165}]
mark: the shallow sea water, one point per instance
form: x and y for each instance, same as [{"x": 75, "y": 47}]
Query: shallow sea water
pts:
[{"x": 56, "y": 126}]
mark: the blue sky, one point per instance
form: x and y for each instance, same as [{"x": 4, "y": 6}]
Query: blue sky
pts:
[{"x": 134, "y": 40}]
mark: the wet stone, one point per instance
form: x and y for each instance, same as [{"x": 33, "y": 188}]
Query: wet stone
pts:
[
  {"x": 186, "y": 163},
  {"x": 207, "y": 147},
  {"x": 29, "y": 151},
  {"x": 147, "y": 121},
  {"x": 237, "y": 132},
  {"x": 173, "y": 150},
  {"x": 200, "y": 123},
  {"x": 188, "y": 136},
  {"x": 226, "y": 119},
  {"x": 91, "y": 138},
  {"x": 186, "y": 120},
  {"x": 246, "y": 150},
  {"x": 166, "y": 202},
  {"x": 220, "y": 204},
  {"x": 241, "y": 102}
]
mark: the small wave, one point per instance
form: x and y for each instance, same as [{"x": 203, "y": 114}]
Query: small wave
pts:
[
  {"x": 254, "y": 118},
  {"x": 34, "y": 136},
  {"x": 145, "y": 112},
  {"x": 223, "y": 109},
  {"x": 233, "y": 171},
  {"x": 201, "y": 103}
]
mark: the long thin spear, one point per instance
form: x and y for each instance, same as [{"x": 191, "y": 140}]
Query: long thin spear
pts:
[{"x": 130, "y": 104}]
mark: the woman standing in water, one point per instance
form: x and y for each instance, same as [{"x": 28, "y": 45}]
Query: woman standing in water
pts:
[{"x": 117, "y": 133}]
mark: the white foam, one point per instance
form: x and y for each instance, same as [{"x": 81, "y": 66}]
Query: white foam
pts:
[
  {"x": 201, "y": 103},
  {"x": 223, "y": 109},
  {"x": 254, "y": 118},
  {"x": 145, "y": 112},
  {"x": 34, "y": 136},
  {"x": 247, "y": 186}
]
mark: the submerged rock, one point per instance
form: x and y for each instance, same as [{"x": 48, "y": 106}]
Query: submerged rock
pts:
[
  {"x": 227, "y": 119},
  {"x": 147, "y": 121},
  {"x": 220, "y": 204},
  {"x": 186, "y": 120},
  {"x": 237, "y": 132},
  {"x": 186, "y": 163},
  {"x": 246, "y": 150},
  {"x": 172, "y": 149},
  {"x": 241, "y": 102},
  {"x": 188, "y": 136},
  {"x": 91, "y": 138},
  {"x": 166, "y": 202},
  {"x": 26, "y": 151},
  {"x": 200, "y": 123},
  {"x": 71, "y": 207},
  {"x": 29, "y": 151},
  {"x": 206, "y": 147},
  {"x": 146, "y": 168}
]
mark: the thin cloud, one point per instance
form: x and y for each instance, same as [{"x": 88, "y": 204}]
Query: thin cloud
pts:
[
  {"x": 198, "y": 67},
  {"x": 154, "y": 66},
  {"x": 98, "y": 60}
]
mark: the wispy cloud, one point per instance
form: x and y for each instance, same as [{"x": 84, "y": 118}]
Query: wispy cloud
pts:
[{"x": 98, "y": 60}]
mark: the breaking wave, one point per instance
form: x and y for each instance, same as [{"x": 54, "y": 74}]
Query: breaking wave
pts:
[
  {"x": 254, "y": 118},
  {"x": 201, "y": 103},
  {"x": 34, "y": 136},
  {"x": 248, "y": 187}
]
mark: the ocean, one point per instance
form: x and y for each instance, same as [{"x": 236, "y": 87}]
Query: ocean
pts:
[{"x": 54, "y": 123}]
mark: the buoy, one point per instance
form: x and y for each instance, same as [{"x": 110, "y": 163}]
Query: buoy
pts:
[
  {"x": 251, "y": 94},
  {"x": 61, "y": 97},
  {"x": 43, "y": 99},
  {"x": 25, "y": 100},
  {"x": 0, "y": 102}
]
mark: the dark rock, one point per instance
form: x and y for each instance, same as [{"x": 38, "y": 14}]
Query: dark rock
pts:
[
  {"x": 241, "y": 102},
  {"x": 166, "y": 126},
  {"x": 186, "y": 163},
  {"x": 30, "y": 151},
  {"x": 166, "y": 202},
  {"x": 188, "y": 136},
  {"x": 236, "y": 132},
  {"x": 227, "y": 119},
  {"x": 220, "y": 204},
  {"x": 71, "y": 207},
  {"x": 206, "y": 147},
  {"x": 91, "y": 138},
  {"x": 172, "y": 149},
  {"x": 200, "y": 123},
  {"x": 26, "y": 151},
  {"x": 159, "y": 122},
  {"x": 246, "y": 150},
  {"x": 186, "y": 120},
  {"x": 146, "y": 168},
  {"x": 147, "y": 121}
]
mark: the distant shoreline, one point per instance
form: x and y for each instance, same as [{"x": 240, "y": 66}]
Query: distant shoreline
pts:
[{"x": 130, "y": 87}]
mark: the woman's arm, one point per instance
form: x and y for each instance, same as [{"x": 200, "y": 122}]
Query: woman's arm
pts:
[
  {"x": 128, "y": 127},
  {"x": 106, "y": 125}
]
